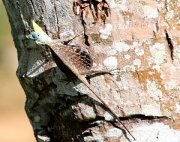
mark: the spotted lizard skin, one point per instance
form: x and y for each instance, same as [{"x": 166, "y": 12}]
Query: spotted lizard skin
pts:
[{"x": 73, "y": 55}]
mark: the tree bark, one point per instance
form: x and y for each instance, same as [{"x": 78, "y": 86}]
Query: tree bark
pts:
[{"x": 136, "y": 41}]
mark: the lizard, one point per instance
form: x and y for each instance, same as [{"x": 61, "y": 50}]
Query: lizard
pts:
[{"x": 75, "y": 58}]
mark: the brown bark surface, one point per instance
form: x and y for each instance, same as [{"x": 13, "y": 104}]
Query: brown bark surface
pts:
[{"x": 136, "y": 41}]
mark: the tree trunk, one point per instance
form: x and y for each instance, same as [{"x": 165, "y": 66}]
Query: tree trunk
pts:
[{"x": 136, "y": 41}]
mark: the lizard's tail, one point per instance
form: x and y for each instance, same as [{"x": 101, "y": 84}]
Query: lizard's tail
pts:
[{"x": 108, "y": 108}]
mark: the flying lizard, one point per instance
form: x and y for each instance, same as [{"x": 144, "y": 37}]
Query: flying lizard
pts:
[{"x": 76, "y": 58}]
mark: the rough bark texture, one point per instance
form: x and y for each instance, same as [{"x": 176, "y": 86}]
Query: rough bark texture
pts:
[{"x": 138, "y": 42}]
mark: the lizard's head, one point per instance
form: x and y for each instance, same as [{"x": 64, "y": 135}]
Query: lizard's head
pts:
[{"x": 39, "y": 36}]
